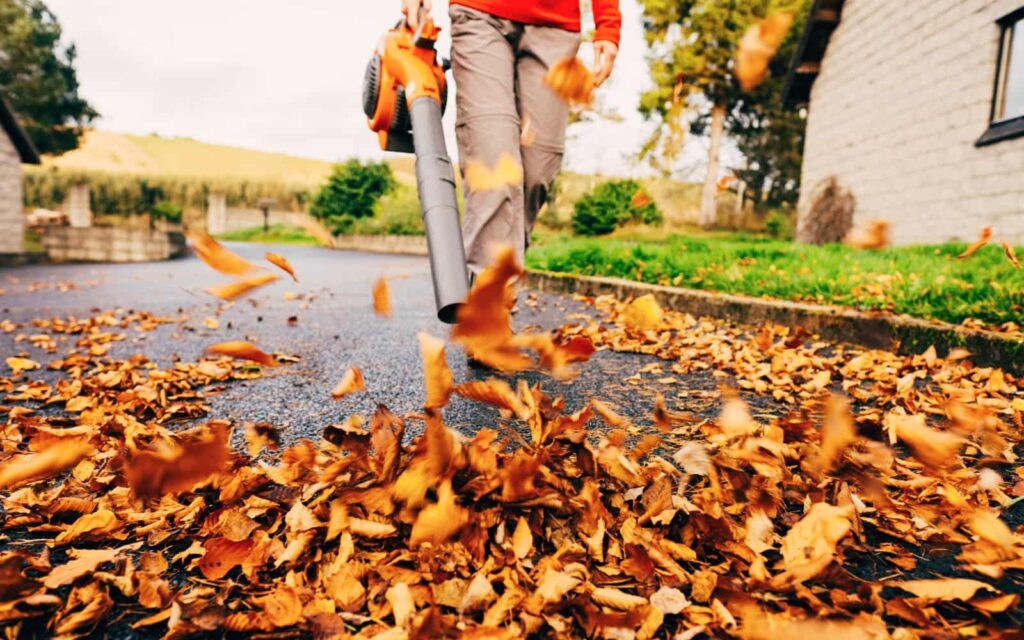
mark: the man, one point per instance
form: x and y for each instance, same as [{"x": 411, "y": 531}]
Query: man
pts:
[{"x": 501, "y": 53}]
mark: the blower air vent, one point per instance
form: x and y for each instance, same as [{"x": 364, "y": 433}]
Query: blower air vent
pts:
[{"x": 371, "y": 86}]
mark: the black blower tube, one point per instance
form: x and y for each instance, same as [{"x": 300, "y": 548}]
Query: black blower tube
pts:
[{"x": 436, "y": 182}]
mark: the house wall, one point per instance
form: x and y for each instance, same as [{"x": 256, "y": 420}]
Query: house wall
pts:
[
  {"x": 12, "y": 220},
  {"x": 904, "y": 91}
]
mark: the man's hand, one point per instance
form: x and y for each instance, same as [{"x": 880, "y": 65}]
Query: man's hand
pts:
[
  {"x": 411, "y": 11},
  {"x": 605, "y": 53}
]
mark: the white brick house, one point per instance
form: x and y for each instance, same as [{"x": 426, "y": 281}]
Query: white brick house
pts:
[
  {"x": 15, "y": 148},
  {"x": 917, "y": 107}
]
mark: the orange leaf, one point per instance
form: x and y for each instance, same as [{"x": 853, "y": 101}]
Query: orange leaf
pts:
[
  {"x": 986, "y": 235},
  {"x": 643, "y": 313},
  {"x": 98, "y": 524},
  {"x": 85, "y": 561},
  {"x": 936, "y": 449},
  {"x": 640, "y": 199},
  {"x": 874, "y": 234},
  {"x": 239, "y": 288},
  {"x": 506, "y": 173},
  {"x": 243, "y": 350},
  {"x": 351, "y": 382},
  {"x": 217, "y": 256},
  {"x": 186, "y": 463},
  {"x": 435, "y": 371},
  {"x": 944, "y": 588},
  {"x": 222, "y": 555},
  {"x": 381, "y": 298},
  {"x": 758, "y": 47},
  {"x": 1010, "y": 254},
  {"x": 810, "y": 545},
  {"x": 63, "y": 454},
  {"x": 18, "y": 365},
  {"x": 495, "y": 392},
  {"x": 282, "y": 263},
  {"x": 438, "y": 522},
  {"x": 837, "y": 433},
  {"x": 571, "y": 81}
]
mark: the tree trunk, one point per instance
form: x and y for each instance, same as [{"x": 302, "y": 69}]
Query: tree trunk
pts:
[{"x": 709, "y": 196}]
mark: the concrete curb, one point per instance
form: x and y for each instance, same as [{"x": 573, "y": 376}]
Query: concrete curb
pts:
[
  {"x": 874, "y": 330},
  {"x": 402, "y": 245}
]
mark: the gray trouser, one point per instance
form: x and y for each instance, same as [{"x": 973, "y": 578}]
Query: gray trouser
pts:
[{"x": 499, "y": 68}]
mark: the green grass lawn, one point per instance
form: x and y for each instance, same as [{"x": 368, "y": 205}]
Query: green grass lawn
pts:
[
  {"x": 277, "y": 234},
  {"x": 923, "y": 281}
]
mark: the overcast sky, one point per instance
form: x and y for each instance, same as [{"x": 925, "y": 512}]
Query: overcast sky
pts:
[{"x": 286, "y": 75}]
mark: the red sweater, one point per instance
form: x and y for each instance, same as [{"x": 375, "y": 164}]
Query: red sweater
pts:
[{"x": 564, "y": 14}]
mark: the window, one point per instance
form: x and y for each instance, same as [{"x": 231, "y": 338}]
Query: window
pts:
[{"x": 1008, "y": 99}]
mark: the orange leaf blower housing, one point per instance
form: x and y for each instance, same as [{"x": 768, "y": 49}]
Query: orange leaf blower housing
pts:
[{"x": 404, "y": 69}]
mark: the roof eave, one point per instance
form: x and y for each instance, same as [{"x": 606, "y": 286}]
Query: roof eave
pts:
[
  {"x": 803, "y": 69},
  {"x": 26, "y": 150}
]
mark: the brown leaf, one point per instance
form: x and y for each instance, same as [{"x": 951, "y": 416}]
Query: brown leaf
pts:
[
  {"x": 484, "y": 324},
  {"x": 571, "y": 81},
  {"x": 243, "y": 350},
  {"x": 986, "y": 236},
  {"x": 85, "y": 561},
  {"x": 97, "y": 524},
  {"x": 945, "y": 588},
  {"x": 282, "y": 607},
  {"x": 493, "y": 391},
  {"x": 351, "y": 382},
  {"x": 758, "y": 47},
  {"x": 61, "y": 455},
  {"x": 239, "y": 288},
  {"x": 779, "y": 627},
  {"x": 837, "y": 433},
  {"x": 282, "y": 263},
  {"x": 382, "y": 298},
  {"x": 222, "y": 555},
  {"x": 810, "y": 546},
  {"x": 1011, "y": 255},
  {"x": 217, "y": 256},
  {"x": 437, "y": 375},
  {"x": 182, "y": 465}
]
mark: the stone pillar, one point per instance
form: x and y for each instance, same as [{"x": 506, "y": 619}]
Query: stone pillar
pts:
[
  {"x": 216, "y": 213},
  {"x": 76, "y": 206}
]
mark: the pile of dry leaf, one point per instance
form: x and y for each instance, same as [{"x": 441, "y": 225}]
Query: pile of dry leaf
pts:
[{"x": 825, "y": 522}]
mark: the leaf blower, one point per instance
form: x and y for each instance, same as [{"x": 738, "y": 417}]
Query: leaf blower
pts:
[{"x": 404, "y": 97}]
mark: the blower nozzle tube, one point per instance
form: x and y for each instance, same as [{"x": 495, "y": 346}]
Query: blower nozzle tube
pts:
[{"x": 436, "y": 182}]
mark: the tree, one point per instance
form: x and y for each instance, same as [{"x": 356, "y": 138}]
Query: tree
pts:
[
  {"x": 693, "y": 44},
  {"x": 351, "y": 192},
  {"x": 38, "y": 78}
]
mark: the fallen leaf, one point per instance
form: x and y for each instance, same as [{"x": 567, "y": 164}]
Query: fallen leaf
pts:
[
  {"x": 222, "y": 555},
  {"x": 381, "y": 298},
  {"x": 522, "y": 539},
  {"x": 243, "y": 351},
  {"x": 282, "y": 263},
  {"x": 18, "y": 365},
  {"x": 402, "y": 604},
  {"x": 351, "y": 382},
  {"x": 439, "y": 521},
  {"x": 945, "y": 588},
  {"x": 810, "y": 546},
  {"x": 937, "y": 449},
  {"x": 986, "y": 236},
  {"x": 84, "y": 561},
  {"x": 643, "y": 313},
  {"x": 217, "y": 256}
]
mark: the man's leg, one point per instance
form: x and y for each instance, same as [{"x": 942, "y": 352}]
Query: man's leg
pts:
[
  {"x": 487, "y": 126},
  {"x": 546, "y": 115}
]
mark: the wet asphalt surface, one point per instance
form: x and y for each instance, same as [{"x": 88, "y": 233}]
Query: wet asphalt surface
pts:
[{"x": 335, "y": 327}]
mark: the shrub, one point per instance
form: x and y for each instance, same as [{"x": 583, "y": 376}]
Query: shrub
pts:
[
  {"x": 830, "y": 214},
  {"x": 352, "y": 191},
  {"x": 167, "y": 210},
  {"x": 398, "y": 213},
  {"x": 777, "y": 225},
  {"x": 612, "y": 204}
]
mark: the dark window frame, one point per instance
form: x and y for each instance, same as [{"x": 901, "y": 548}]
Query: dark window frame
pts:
[{"x": 1014, "y": 127}]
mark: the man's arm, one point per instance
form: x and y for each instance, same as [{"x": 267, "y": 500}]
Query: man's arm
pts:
[
  {"x": 411, "y": 11},
  {"x": 608, "y": 19}
]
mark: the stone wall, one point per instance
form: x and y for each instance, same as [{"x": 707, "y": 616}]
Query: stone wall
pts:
[
  {"x": 12, "y": 219},
  {"x": 237, "y": 218},
  {"x": 404, "y": 245},
  {"x": 111, "y": 244},
  {"x": 905, "y": 90}
]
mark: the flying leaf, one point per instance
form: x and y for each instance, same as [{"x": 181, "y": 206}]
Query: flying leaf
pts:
[
  {"x": 437, "y": 375},
  {"x": 282, "y": 263},
  {"x": 243, "y": 350},
  {"x": 351, "y": 382},
  {"x": 382, "y": 298},
  {"x": 810, "y": 546},
  {"x": 239, "y": 288},
  {"x": 758, "y": 47},
  {"x": 986, "y": 235},
  {"x": 193, "y": 458},
  {"x": 219, "y": 257},
  {"x": 640, "y": 199},
  {"x": 571, "y": 81},
  {"x": 837, "y": 433},
  {"x": 493, "y": 391},
  {"x": 873, "y": 234},
  {"x": 506, "y": 173},
  {"x": 643, "y": 313},
  {"x": 484, "y": 324},
  {"x": 937, "y": 449},
  {"x": 439, "y": 521},
  {"x": 1011, "y": 255},
  {"x": 60, "y": 456}
]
